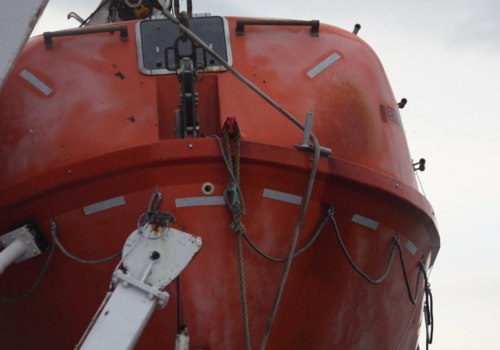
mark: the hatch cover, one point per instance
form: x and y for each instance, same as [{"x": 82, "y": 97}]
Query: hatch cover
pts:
[{"x": 155, "y": 37}]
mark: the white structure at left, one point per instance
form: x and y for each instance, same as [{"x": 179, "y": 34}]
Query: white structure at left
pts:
[
  {"x": 17, "y": 20},
  {"x": 153, "y": 256},
  {"x": 19, "y": 245}
]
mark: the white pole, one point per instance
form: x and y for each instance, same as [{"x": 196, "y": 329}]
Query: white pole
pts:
[{"x": 10, "y": 254}]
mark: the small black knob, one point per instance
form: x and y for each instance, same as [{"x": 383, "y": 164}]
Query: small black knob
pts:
[
  {"x": 357, "y": 27},
  {"x": 155, "y": 255},
  {"x": 420, "y": 165}
]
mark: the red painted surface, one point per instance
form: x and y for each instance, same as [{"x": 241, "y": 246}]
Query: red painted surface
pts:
[{"x": 98, "y": 136}]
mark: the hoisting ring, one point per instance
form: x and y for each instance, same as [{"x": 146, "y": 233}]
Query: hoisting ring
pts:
[{"x": 133, "y": 3}]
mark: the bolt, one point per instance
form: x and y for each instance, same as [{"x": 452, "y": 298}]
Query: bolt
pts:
[
  {"x": 199, "y": 241},
  {"x": 155, "y": 255},
  {"x": 190, "y": 146},
  {"x": 70, "y": 171},
  {"x": 397, "y": 185}
]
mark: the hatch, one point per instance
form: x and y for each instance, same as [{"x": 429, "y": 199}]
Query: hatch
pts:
[{"x": 160, "y": 42}]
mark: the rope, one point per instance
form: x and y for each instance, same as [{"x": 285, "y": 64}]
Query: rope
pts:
[
  {"x": 293, "y": 244},
  {"x": 35, "y": 285},
  {"x": 312, "y": 176},
  {"x": 154, "y": 216},
  {"x": 298, "y": 252},
  {"x": 155, "y": 201},
  {"x": 235, "y": 203},
  {"x": 74, "y": 257}
]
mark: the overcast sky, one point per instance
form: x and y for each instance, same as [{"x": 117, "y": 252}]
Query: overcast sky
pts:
[{"x": 443, "y": 56}]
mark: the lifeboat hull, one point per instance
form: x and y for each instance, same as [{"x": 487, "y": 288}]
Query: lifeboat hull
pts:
[{"x": 94, "y": 172}]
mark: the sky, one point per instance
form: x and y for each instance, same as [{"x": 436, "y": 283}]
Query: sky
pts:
[{"x": 444, "y": 57}]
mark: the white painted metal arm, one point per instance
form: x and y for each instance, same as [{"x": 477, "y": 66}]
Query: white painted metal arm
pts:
[
  {"x": 152, "y": 258},
  {"x": 17, "y": 20},
  {"x": 19, "y": 245}
]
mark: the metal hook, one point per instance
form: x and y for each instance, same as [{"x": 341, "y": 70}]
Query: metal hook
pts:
[{"x": 75, "y": 16}]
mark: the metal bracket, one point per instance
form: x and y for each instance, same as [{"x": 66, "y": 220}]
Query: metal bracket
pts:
[
  {"x": 20, "y": 244},
  {"x": 305, "y": 146}
]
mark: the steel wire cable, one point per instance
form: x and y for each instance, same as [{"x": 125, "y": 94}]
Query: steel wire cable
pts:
[
  {"x": 351, "y": 260},
  {"x": 36, "y": 284},
  {"x": 412, "y": 296},
  {"x": 396, "y": 245},
  {"x": 55, "y": 238},
  {"x": 298, "y": 252}
]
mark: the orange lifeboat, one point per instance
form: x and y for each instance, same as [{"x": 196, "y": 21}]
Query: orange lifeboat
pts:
[{"x": 310, "y": 241}]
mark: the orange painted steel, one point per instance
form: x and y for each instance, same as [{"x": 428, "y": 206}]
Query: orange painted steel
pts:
[{"x": 106, "y": 130}]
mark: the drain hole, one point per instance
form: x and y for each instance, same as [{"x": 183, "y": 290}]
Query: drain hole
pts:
[{"x": 207, "y": 188}]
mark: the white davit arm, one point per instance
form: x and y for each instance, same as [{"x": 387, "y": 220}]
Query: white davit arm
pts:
[
  {"x": 17, "y": 20},
  {"x": 152, "y": 258},
  {"x": 19, "y": 245}
]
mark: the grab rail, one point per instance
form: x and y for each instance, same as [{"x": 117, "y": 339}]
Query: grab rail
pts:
[
  {"x": 47, "y": 36},
  {"x": 241, "y": 23}
]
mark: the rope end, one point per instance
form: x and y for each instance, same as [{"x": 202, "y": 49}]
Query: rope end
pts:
[{"x": 231, "y": 126}]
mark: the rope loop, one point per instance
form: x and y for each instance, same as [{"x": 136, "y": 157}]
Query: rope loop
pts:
[
  {"x": 331, "y": 212},
  {"x": 397, "y": 239},
  {"x": 238, "y": 228},
  {"x": 154, "y": 216},
  {"x": 155, "y": 201},
  {"x": 232, "y": 192}
]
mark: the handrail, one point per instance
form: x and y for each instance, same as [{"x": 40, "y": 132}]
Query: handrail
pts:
[
  {"x": 241, "y": 23},
  {"x": 49, "y": 43}
]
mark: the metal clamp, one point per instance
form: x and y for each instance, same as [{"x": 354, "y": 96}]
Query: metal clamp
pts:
[
  {"x": 20, "y": 244},
  {"x": 305, "y": 146},
  {"x": 119, "y": 276}
]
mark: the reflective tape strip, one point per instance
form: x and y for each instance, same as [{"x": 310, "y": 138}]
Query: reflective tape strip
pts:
[
  {"x": 364, "y": 221},
  {"x": 282, "y": 196},
  {"x": 37, "y": 83},
  {"x": 323, "y": 65},
  {"x": 199, "y": 201},
  {"x": 412, "y": 248},
  {"x": 104, "y": 205}
]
